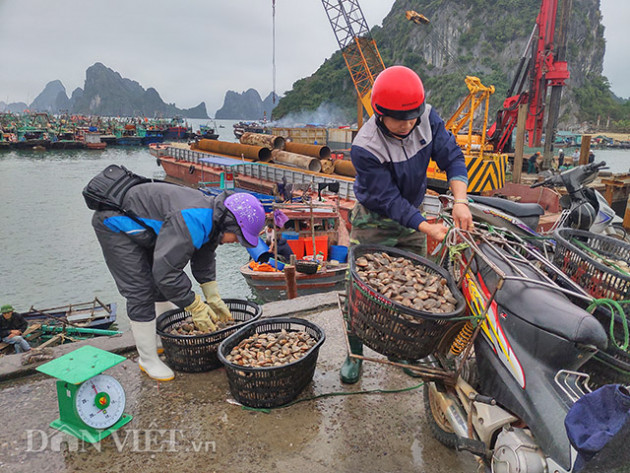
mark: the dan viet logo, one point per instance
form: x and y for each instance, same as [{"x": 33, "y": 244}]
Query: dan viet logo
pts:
[{"x": 151, "y": 440}]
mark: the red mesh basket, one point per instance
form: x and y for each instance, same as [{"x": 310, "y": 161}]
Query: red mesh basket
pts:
[{"x": 599, "y": 280}]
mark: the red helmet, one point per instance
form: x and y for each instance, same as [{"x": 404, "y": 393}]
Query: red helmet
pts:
[{"x": 398, "y": 93}]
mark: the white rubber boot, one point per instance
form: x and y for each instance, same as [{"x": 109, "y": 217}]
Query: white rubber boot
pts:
[
  {"x": 160, "y": 308},
  {"x": 146, "y": 344}
]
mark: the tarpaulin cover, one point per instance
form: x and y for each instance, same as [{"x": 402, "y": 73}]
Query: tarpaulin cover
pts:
[{"x": 597, "y": 421}]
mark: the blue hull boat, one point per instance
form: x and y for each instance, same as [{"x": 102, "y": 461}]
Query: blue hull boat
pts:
[{"x": 93, "y": 315}]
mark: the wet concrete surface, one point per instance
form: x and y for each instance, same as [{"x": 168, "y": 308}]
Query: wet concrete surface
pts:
[{"x": 189, "y": 425}]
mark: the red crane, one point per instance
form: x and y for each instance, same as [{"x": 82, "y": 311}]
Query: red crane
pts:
[{"x": 540, "y": 67}]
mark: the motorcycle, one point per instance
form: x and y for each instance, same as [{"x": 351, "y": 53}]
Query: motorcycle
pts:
[
  {"x": 518, "y": 368},
  {"x": 583, "y": 208}
]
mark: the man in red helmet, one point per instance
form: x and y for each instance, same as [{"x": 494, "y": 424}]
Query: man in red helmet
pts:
[{"x": 391, "y": 155}]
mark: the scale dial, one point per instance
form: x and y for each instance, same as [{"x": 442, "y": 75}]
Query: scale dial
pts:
[{"x": 100, "y": 401}]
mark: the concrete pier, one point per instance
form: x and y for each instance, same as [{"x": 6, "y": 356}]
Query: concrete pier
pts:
[{"x": 190, "y": 424}]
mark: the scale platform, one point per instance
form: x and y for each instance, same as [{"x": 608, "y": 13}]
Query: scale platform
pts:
[{"x": 90, "y": 403}]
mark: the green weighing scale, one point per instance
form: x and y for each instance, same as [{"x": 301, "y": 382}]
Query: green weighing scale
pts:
[{"x": 91, "y": 404}]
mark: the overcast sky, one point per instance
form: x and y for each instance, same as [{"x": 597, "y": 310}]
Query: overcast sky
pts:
[{"x": 194, "y": 51}]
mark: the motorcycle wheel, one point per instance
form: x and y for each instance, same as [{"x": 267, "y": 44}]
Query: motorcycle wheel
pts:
[
  {"x": 440, "y": 428},
  {"x": 438, "y": 424}
]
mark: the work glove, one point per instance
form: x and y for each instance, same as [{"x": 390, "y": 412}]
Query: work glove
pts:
[
  {"x": 202, "y": 315},
  {"x": 211, "y": 291}
]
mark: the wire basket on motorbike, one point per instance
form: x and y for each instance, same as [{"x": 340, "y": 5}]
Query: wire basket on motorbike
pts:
[
  {"x": 501, "y": 252},
  {"x": 400, "y": 304}
]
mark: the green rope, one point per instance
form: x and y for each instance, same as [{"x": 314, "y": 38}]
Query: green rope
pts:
[
  {"x": 614, "y": 306},
  {"x": 596, "y": 254},
  {"x": 455, "y": 250},
  {"x": 267, "y": 410}
]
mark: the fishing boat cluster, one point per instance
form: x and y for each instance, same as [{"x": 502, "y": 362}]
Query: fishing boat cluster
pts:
[{"x": 46, "y": 131}]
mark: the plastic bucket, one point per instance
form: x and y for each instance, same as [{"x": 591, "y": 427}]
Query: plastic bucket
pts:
[
  {"x": 339, "y": 253},
  {"x": 260, "y": 249},
  {"x": 297, "y": 246},
  {"x": 290, "y": 235},
  {"x": 321, "y": 244}
]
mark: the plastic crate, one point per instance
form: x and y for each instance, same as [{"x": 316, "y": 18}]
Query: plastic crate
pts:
[
  {"x": 197, "y": 353},
  {"x": 275, "y": 385},
  {"x": 379, "y": 322},
  {"x": 599, "y": 280}
]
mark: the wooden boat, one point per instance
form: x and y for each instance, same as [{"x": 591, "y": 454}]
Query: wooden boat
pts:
[
  {"x": 272, "y": 286},
  {"x": 93, "y": 141},
  {"x": 317, "y": 228},
  {"x": 250, "y": 126},
  {"x": 92, "y": 315},
  {"x": 42, "y": 336},
  {"x": 208, "y": 132}
]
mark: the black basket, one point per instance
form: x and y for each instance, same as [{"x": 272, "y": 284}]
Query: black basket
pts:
[
  {"x": 196, "y": 353},
  {"x": 597, "y": 279},
  {"x": 306, "y": 266},
  {"x": 378, "y": 321},
  {"x": 275, "y": 385}
]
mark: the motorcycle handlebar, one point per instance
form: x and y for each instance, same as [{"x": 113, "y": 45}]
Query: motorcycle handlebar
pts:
[
  {"x": 597, "y": 166},
  {"x": 589, "y": 168}
]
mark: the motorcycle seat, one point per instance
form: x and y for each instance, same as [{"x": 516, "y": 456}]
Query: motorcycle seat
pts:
[
  {"x": 513, "y": 208},
  {"x": 542, "y": 307}
]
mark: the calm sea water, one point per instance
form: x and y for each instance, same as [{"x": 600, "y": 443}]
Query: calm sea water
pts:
[{"x": 50, "y": 255}]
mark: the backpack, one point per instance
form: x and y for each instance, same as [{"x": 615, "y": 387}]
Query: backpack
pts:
[{"x": 107, "y": 189}]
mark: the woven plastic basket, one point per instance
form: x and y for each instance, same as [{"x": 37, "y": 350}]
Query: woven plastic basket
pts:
[
  {"x": 599, "y": 280},
  {"x": 275, "y": 385},
  {"x": 306, "y": 267},
  {"x": 197, "y": 353},
  {"x": 379, "y": 322}
]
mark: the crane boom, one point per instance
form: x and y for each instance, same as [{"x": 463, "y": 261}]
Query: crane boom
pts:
[{"x": 357, "y": 46}]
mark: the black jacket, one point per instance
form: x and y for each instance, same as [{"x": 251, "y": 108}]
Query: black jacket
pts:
[{"x": 16, "y": 322}]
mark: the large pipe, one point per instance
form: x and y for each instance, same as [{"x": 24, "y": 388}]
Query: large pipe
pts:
[
  {"x": 260, "y": 139},
  {"x": 235, "y": 149},
  {"x": 345, "y": 168},
  {"x": 296, "y": 160},
  {"x": 322, "y": 152}
]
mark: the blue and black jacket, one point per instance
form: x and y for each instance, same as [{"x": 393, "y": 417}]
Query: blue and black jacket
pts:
[
  {"x": 391, "y": 175},
  {"x": 182, "y": 220}
]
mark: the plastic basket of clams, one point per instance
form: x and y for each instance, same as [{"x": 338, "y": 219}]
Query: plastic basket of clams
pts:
[
  {"x": 270, "y": 361},
  {"x": 400, "y": 304},
  {"x": 189, "y": 350}
]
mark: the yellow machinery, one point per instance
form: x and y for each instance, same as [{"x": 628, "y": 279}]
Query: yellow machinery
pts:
[{"x": 486, "y": 168}]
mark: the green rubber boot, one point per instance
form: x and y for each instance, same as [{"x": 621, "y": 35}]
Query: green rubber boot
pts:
[
  {"x": 407, "y": 371},
  {"x": 350, "y": 371}
]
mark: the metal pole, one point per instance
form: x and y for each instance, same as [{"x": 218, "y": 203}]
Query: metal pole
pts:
[{"x": 520, "y": 143}]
